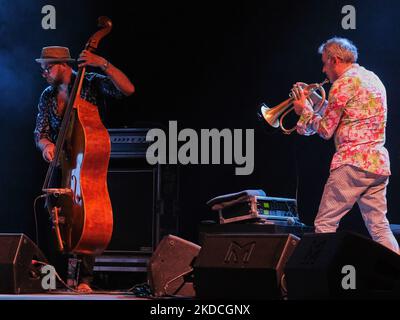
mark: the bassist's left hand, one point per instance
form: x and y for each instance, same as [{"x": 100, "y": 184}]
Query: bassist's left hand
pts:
[{"x": 87, "y": 58}]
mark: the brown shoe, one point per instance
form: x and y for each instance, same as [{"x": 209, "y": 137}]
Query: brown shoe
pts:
[{"x": 84, "y": 288}]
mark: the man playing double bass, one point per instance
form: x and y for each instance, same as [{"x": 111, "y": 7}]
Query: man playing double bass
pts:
[{"x": 56, "y": 68}]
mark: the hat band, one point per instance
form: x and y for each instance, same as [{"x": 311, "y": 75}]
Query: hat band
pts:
[{"x": 55, "y": 57}]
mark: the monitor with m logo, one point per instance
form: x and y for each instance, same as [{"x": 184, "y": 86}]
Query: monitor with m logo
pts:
[
  {"x": 236, "y": 266},
  {"x": 239, "y": 253}
]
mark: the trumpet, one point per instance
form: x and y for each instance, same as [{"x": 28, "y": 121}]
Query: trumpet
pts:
[{"x": 274, "y": 116}]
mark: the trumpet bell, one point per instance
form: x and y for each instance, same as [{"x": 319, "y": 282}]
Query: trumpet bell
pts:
[
  {"x": 269, "y": 116},
  {"x": 274, "y": 116}
]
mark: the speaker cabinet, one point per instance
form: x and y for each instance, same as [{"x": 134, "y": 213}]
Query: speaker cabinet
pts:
[
  {"x": 342, "y": 265},
  {"x": 18, "y": 272},
  {"x": 170, "y": 267},
  {"x": 132, "y": 193},
  {"x": 144, "y": 201},
  {"x": 237, "y": 266}
]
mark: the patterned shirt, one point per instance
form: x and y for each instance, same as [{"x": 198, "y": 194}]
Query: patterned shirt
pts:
[
  {"x": 95, "y": 88},
  {"x": 356, "y": 114}
]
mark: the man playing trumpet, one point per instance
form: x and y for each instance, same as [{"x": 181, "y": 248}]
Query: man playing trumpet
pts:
[{"x": 355, "y": 114}]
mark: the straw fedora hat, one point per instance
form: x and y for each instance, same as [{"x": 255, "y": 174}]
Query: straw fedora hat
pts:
[{"x": 55, "y": 54}]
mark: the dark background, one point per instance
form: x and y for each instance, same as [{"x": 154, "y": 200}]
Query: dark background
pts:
[{"x": 206, "y": 65}]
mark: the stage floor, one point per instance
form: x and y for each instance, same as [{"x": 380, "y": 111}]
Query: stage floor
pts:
[{"x": 73, "y": 296}]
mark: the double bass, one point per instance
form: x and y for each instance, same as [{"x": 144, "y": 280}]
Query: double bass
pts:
[{"x": 80, "y": 208}]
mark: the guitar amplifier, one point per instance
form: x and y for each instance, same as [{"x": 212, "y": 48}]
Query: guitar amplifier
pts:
[
  {"x": 129, "y": 142},
  {"x": 144, "y": 196}
]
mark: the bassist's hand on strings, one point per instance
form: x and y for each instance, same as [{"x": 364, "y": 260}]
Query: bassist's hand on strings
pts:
[{"x": 48, "y": 152}]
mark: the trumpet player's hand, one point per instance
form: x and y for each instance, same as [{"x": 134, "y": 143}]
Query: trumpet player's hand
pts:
[{"x": 300, "y": 101}]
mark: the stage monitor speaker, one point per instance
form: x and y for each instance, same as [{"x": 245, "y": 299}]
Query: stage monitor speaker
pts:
[
  {"x": 170, "y": 267},
  {"x": 342, "y": 265},
  {"x": 18, "y": 271},
  {"x": 241, "y": 266}
]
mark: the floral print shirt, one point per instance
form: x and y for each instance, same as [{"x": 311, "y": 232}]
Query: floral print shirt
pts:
[
  {"x": 95, "y": 88},
  {"x": 356, "y": 115}
]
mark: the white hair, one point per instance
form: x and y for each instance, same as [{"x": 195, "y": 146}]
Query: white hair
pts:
[{"x": 341, "y": 48}]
